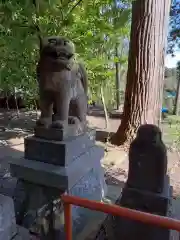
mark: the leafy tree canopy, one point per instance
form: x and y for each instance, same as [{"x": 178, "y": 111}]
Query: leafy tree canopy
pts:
[
  {"x": 95, "y": 26},
  {"x": 174, "y": 35}
]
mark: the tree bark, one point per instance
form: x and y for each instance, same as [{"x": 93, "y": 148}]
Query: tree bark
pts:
[{"x": 144, "y": 87}]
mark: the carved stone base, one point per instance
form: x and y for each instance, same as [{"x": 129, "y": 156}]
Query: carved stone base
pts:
[
  {"x": 59, "y": 153},
  {"x": 72, "y": 130},
  {"x": 56, "y": 176},
  {"x": 43, "y": 183}
]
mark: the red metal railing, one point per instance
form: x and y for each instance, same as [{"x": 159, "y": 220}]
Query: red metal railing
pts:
[{"x": 115, "y": 210}]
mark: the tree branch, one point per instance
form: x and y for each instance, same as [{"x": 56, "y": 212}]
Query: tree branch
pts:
[
  {"x": 61, "y": 11},
  {"x": 75, "y": 5}
]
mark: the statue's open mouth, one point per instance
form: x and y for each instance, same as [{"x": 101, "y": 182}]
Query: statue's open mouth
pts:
[
  {"x": 64, "y": 55},
  {"x": 60, "y": 55}
]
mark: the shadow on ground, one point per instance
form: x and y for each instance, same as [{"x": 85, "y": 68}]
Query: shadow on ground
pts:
[
  {"x": 98, "y": 111},
  {"x": 16, "y": 126},
  {"x": 116, "y": 178},
  {"x": 13, "y": 125}
]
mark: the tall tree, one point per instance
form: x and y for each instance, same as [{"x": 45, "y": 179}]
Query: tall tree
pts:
[
  {"x": 143, "y": 96},
  {"x": 177, "y": 99}
]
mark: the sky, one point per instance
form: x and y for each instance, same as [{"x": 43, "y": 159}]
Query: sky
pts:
[{"x": 171, "y": 62}]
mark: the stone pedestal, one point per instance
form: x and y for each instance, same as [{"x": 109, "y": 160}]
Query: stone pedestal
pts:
[
  {"x": 51, "y": 168},
  {"x": 156, "y": 203},
  {"x": 60, "y": 153},
  {"x": 122, "y": 228}
]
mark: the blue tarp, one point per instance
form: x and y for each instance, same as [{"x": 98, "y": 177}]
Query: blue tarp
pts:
[
  {"x": 164, "y": 110},
  {"x": 171, "y": 94}
]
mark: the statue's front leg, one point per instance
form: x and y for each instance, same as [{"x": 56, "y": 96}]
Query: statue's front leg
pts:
[
  {"x": 46, "y": 103},
  {"x": 81, "y": 108},
  {"x": 60, "y": 118}
]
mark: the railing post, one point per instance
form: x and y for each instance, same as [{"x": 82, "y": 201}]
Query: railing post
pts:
[{"x": 68, "y": 221}]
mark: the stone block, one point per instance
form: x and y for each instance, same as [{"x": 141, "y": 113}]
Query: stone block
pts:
[
  {"x": 130, "y": 230},
  {"x": 56, "y": 176},
  {"x": 8, "y": 227},
  {"x": 92, "y": 186},
  {"x": 60, "y": 153},
  {"x": 7, "y": 185},
  {"x": 22, "y": 234},
  {"x": 147, "y": 160},
  {"x": 57, "y": 134},
  {"x": 146, "y": 201}
]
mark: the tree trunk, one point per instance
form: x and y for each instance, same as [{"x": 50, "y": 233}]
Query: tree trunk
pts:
[
  {"x": 117, "y": 79},
  {"x": 144, "y": 87},
  {"x": 177, "y": 99},
  {"x": 17, "y": 109},
  {"x": 7, "y": 102}
]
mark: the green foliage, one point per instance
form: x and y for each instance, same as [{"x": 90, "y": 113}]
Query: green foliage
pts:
[
  {"x": 95, "y": 26},
  {"x": 174, "y": 35}
]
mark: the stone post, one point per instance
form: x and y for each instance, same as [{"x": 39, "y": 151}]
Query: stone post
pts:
[{"x": 8, "y": 228}]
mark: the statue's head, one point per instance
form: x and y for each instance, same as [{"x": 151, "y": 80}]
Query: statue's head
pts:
[
  {"x": 57, "y": 48},
  {"x": 149, "y": 133}
]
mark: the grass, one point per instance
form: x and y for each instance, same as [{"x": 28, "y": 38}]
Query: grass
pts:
[{"x": 171, "y": 131}]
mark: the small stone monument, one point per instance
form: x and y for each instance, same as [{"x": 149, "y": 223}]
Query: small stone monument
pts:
[
  {"x": 147, "y": 189},
  {"x": 62, "y": 156},
  {"x": 147, "y": 160},
  {"x": 8, "y": 228}
]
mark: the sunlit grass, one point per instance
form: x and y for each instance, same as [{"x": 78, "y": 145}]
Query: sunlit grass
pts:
[{"x": 171, "y": 131}]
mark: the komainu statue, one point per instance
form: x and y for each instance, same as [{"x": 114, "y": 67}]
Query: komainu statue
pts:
[{"x": 62, "y": 84}]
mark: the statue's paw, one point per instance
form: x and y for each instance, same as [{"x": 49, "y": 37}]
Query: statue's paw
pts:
[
  {"x": 58, "y": 124},
  {"x": 43, "y": 122},
  {"x": 73, "y": 120}
]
